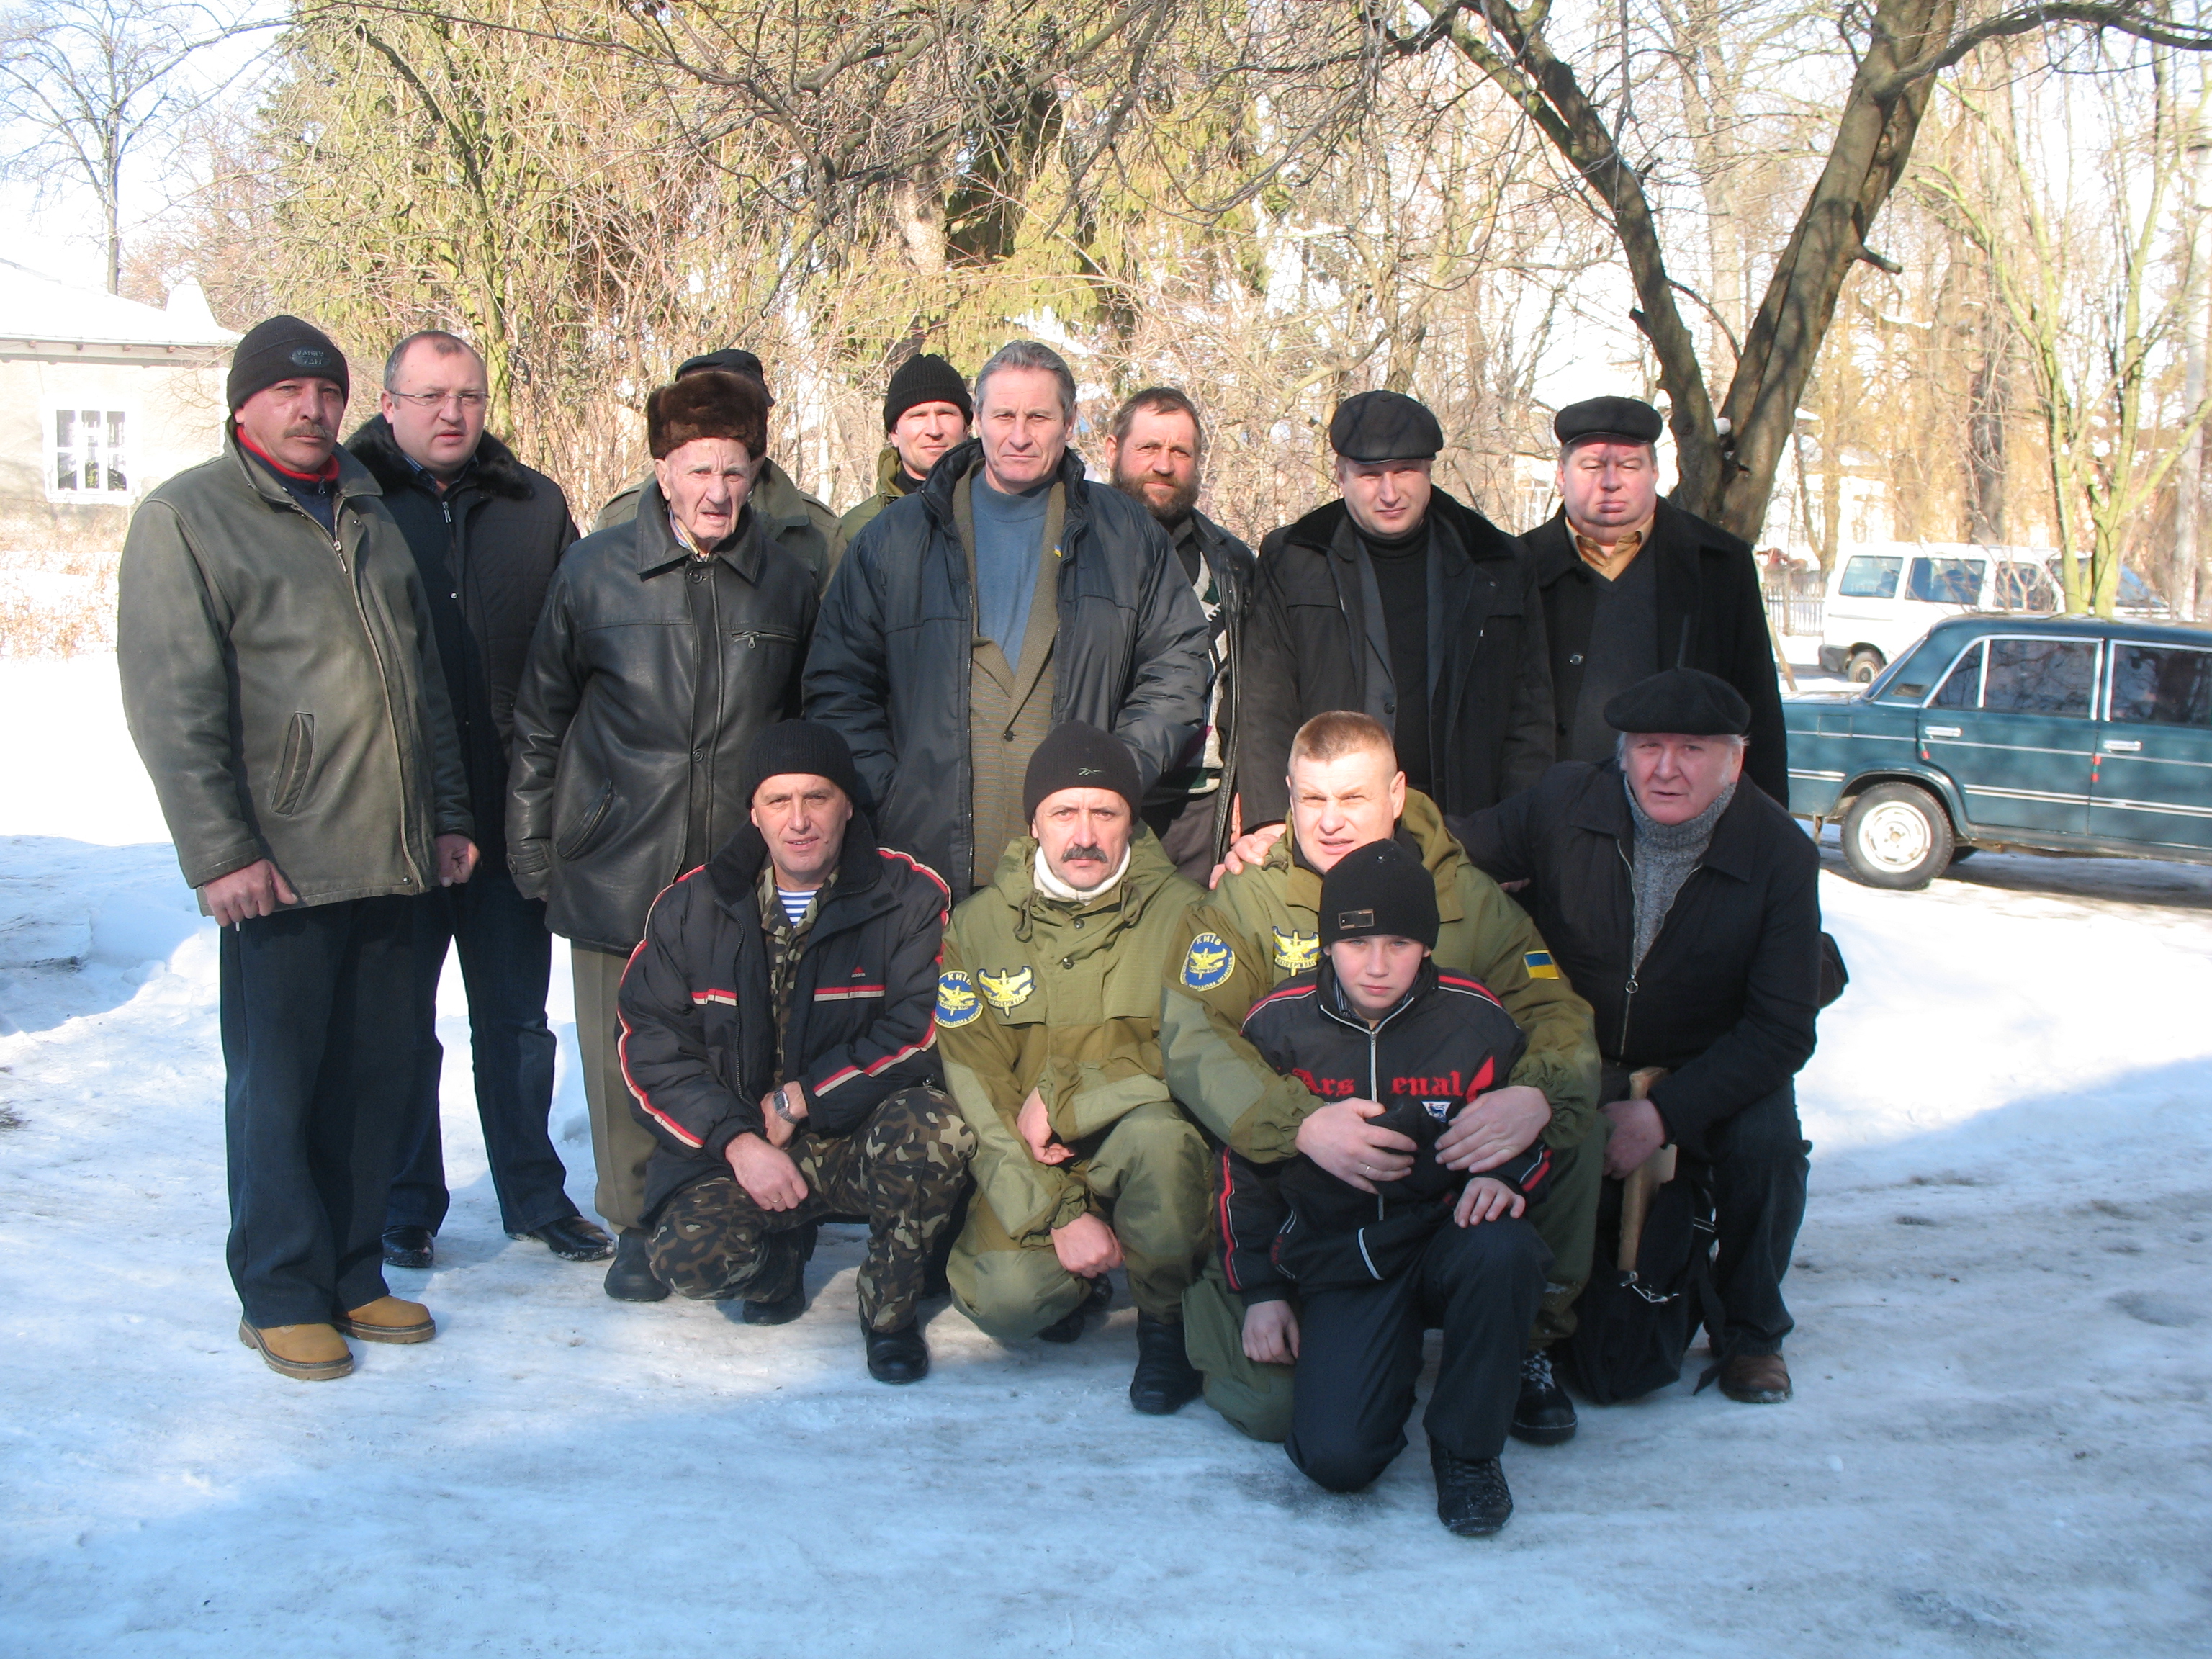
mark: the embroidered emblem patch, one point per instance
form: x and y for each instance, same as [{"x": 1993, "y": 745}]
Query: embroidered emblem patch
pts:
[
  {"x": 1009, "y": 988},
  {"x": 1539, "y": 965},
  {"x": 1209, "y": 962},
  {"x": 1296, "y": 953},
  {"x": 957, "y": 1001}
]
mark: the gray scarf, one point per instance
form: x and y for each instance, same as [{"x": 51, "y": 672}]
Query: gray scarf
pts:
[{"x": 1665, "y": 855}]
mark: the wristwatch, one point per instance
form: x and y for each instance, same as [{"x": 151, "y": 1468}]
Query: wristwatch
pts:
[{"x": 783, "y": 1104}]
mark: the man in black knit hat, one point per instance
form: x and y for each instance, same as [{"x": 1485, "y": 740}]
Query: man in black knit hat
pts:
[
  {"x": 1379, "y": 1255},
  {"x": 777, "y": 1029},
  {"x": 926, "y": 411}
]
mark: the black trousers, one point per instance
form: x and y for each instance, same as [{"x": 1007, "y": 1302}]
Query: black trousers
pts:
[
  {"x": 318, "y": 1049},
  {"x": 1755, "y": 1167},
  {"x": 1359, "y": 1354},
  {"x": 507, "y": 961},
  {"x": 1185, "y": 828}
]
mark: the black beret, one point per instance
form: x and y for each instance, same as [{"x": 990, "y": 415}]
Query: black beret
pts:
[
  {"x": 925, "y": 378},
  {"x": 1384, "y": 426},
  {"x": 734, "y": 360},
  {"x": 803, "y": 748},
  {"x": 1685, "y": 699},
  {"x": 1628, "y": 419},
  {"x": 282, "y": 348},
  {"x": 1380, "y": 888},
  {"x": 1078, "y": 756}
]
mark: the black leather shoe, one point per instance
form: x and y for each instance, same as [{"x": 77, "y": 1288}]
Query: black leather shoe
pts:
[
  {"x": 1166, "y": 1380},
  {"x": 1542, "y": 1415},
  {"x": 780, "y": 1312},
  {"x": 631, "y": 1278},
  {"x": 1471, "y": 1496},
  {"x": 899, "y": 1356},
  {"x": 1070, "y": 1326},
  {"x": 409, "y": 1247},
  {"x": 573, "y": 1239}
]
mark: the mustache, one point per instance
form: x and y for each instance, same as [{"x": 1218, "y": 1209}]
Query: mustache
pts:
[{"x": 1085, "y": 852}]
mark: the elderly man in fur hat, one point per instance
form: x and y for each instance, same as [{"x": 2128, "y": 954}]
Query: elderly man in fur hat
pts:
[{"x": 666, "y": 643}]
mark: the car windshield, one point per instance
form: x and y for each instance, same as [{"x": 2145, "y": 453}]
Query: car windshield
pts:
[
  {"x": 1907, "y": 679},
  {"x": 1945, "y": 582}
]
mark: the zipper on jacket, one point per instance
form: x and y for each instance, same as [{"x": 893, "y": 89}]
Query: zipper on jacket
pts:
[{"x": 1628, "y": 1001}]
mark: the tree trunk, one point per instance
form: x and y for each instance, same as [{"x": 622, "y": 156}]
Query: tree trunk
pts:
[{"x": 2189, "y": 476}]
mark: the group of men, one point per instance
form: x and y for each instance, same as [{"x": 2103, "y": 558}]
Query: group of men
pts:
[{"x": 883, "y": 847}]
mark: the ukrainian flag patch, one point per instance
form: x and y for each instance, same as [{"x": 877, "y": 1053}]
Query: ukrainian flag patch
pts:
[{"x": 1539, "y": 965}]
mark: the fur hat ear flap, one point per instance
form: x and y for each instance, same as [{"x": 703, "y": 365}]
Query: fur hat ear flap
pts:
[{"x": 709, "y": 402}]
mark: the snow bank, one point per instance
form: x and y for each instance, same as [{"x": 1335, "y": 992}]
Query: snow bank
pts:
[{"x": 1999, "y": 1443}]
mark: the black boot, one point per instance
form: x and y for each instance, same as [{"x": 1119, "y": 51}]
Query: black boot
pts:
[
  {"x": 1166, "y": 1380},
  {"x": 899, "y": 1356},
  {"x": 1472, "y": 1498},
  {"x": 572, "y": 1238},
  {"x": 1543, "y": 1415},
  {"x": 1068, "y": 1327},
  {"x": 781, "y": 1311},
  {"x": 408, "y": 1247},
  {"x": 630, "y": 1277}
]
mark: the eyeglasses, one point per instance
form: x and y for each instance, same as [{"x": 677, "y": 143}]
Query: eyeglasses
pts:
[{"x": 468, "y": 401}]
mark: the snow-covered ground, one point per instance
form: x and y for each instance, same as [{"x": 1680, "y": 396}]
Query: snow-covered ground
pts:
[{"x": 1999, "y": 1441}]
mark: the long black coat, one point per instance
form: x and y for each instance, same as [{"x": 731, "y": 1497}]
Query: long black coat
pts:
[
  {"x": 1235, "y": 570},
  {"x": 698, "y": 1025},
  {"x": 600, "y": 787},
  {"x": 487, "y": 547},
  {"x": 1313, "y": 644},
  {"x": 1712, "y": 616},
  {"x": 1726, "y": 997},
  {"x": 890, "y": 659}
]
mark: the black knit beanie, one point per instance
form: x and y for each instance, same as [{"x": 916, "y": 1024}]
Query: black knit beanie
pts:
[
  {"x": 806, "y": 747},
  {"x": 925, "y": 379},
  {"x": 1380, "y": 888},
  {"x": 282, "y": 348},
  {"x": 1080, "y": 757}
]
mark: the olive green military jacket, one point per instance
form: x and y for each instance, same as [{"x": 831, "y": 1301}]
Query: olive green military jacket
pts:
[
  {"x": 795, "y": 522},
  {"x": 1261, "y": 925},
  {"x": 1063, "y": 998},
  {"x": 859, "y": 518}
]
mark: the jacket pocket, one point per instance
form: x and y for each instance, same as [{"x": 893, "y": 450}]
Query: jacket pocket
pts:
[
  {"x": 293, "y": 767},
  {"x": 579, "y": 841}
]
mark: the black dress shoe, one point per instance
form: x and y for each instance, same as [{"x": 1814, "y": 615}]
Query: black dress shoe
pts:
[
  {"x": 899, "y": 1356},
  {"x": 408, "y": 1247},
  {"x": 1069, "y": 1326},
  {"x": 572, "y": 1238},
  {"x": 1166, "y": 1380},
  {"x": 631, "y": 1278},
  {"x": 1542, "y": 1415},
  {"x": 781, "y": 1311},
  {"x": 1472, "y": 1498}
]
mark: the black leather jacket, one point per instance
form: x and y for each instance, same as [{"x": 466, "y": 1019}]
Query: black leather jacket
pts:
[{"x": 604, "y": 767}]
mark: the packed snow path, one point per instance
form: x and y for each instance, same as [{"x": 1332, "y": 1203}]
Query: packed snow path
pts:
[{"x": 1999, "y": 1441}]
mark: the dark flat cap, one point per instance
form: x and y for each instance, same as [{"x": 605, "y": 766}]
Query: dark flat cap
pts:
[
  {"x": 1629, "y": 420},
  {"x": 1685, "y": 699},
  {"x": 1384, "y": 426},
  {"x": 734, "y": 360}
]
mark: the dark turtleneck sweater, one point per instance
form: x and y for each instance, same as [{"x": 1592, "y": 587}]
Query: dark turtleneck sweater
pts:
[{"x": 1402, "y": 575}]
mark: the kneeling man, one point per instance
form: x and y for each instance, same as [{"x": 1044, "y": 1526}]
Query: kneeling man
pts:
[
  {"x": 1048, "y": 1011},
  {"x": 1685, "y": 907},
  {"x": 777, "y": 1037},
  {"x": 1377, "y": 1259}
]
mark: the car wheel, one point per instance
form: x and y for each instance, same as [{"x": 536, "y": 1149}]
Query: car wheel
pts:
[
  {"x": 1863, "y": 667},
  {"x": 1897, "y": 836}
]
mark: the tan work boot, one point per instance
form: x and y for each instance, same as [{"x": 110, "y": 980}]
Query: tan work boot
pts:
[
  {"x": 307, "y": 1354},
  {"x": 388, "y": 1319},
  {"x": 1756, "y": 1379}
]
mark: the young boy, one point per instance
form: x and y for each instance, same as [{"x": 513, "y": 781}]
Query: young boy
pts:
[{"x": 1380, "y": 1252}]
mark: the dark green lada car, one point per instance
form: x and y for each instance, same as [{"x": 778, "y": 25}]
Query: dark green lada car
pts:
[{"x": 2036, "y": 734}]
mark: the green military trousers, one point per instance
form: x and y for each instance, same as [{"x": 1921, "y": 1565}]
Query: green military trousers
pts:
[{"x": 1148, "y": 1176}]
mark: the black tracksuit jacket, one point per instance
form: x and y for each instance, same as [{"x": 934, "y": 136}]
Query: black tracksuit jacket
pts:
[
  {"x": 1292, "y": 1223},
  {"x": 698, "y": 1028}
]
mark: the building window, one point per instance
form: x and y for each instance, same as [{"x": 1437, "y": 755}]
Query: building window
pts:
[{"x": 91, "y": 456}]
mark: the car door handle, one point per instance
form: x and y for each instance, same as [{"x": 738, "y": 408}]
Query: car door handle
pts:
[
  {"x": 2122, "y": 746},
  {"x": 1942, "y": 731}
]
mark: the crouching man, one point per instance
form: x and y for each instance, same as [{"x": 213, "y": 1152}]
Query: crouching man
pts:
[
  {"x": 1685, "y": 907},
  {"x": 1375, "y": 1258},
  {"x": 1048, "y": 1009},
  {"x": 777, "y": 1036}
]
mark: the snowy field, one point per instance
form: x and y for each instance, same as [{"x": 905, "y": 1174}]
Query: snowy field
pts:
[{"x": 2000, "y": 1441}]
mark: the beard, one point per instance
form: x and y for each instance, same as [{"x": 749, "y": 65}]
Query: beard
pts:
[{"x": 1143, "y": 487}]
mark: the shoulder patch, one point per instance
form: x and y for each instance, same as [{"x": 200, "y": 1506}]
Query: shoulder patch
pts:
[
  {"x": 1008, "y": 989},
  {"x": 1209, "y": 961},
  {"x": 1296, "y": 953},
  {"x": 1539, "y": 965},
  {"x": 957, "y": 1001}
]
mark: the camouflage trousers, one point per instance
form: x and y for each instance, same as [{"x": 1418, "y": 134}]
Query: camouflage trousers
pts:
[{"x": 903, "y": 1170}]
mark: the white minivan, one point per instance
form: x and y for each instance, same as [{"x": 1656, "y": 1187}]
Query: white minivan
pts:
[{"x": 1882, "y": 596}]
